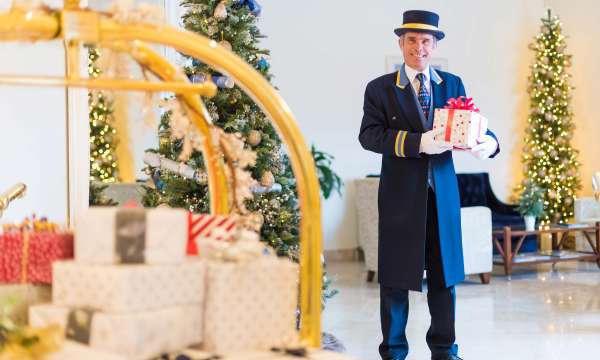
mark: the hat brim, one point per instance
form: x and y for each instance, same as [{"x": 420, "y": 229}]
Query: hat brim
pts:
[{"x": 437, "y": 33}]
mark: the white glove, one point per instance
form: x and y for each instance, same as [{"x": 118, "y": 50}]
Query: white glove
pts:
[
  {"x": 431, "y": 146},
  {"x": 486, "y": 147}
]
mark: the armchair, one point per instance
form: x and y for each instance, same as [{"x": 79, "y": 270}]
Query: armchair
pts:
[
  {"x": 475, "y": 190},
  {"x": 587, "y": 210}
]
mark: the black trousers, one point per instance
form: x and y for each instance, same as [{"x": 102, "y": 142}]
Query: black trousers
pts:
[{"x": 440, "y": 299}]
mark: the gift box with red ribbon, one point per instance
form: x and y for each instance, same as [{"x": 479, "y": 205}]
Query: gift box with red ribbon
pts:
[
  {"x": 462, "y": 123},
  {"x": 28, "y": 250}
]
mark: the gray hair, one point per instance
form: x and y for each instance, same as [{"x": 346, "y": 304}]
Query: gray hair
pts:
[{"x": 435, "y": 40}]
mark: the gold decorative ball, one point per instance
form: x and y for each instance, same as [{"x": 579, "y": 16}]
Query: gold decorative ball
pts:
[
  {"x": 267, "y": 179},
  {"x": 220, "y": 11},
  {"x": 254, "y": 137},
  {"x": 226, "y": 44}
]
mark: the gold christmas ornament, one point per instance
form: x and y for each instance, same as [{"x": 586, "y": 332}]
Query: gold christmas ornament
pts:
[
  {"x": 267, "y": 179},
  {"x": 220, "y": 11},
  {"x": 226, "y": 44},
  {"x": 254, "y": 137}
]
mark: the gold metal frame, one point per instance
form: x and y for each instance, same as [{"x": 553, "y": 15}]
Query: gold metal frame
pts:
[{"x": 76, "y": 26}]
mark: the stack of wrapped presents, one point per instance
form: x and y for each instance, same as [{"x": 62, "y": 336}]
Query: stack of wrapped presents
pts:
[{"x": 133, "y": 292}]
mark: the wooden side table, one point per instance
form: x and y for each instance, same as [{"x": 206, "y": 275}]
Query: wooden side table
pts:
[{"x": 509, "y": 257}]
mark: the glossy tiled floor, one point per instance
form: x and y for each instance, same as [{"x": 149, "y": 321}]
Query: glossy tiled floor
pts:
[{"x": 539, "y": 314}]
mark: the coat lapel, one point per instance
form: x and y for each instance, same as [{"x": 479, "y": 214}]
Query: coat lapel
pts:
[
  {"x": 406, "y": 98},
  {"x": 439, "y": 91}
]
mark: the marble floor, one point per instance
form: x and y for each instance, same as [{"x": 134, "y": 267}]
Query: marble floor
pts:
[{"x": 539, "y": 314}]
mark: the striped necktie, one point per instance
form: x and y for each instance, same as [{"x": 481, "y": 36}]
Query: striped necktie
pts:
[{"x": 424, "y": 98}]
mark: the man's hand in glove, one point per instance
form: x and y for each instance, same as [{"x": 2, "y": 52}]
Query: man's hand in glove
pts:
[
  {"x": 431, "y": 146},
  {"x": 486, "y": 147}
]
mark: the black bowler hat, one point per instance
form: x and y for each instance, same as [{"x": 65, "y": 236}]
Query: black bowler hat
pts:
[{"x": 420, "y": 21}]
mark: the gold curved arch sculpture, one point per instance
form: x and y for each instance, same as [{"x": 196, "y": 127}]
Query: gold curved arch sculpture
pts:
[{"x": 76, "y": 26}]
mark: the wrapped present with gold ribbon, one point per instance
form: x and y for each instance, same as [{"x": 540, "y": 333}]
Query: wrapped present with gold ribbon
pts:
[
  {"x": 461, "y": 122},
  {"x": 128, "y": 288},
  {"x": 251, "y": 298},
  {"x": 137, "y": 335},
  {"x": 108, "y": 235},
  {"x": 28, "y": 249}
]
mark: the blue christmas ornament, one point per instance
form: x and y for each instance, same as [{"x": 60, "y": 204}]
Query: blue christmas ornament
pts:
[
  {"x": 253, "y": 6},
  {"x": 223, "y": 82},
  {"x": 197, "y": 78},
  {"x": 263, "y": 64},
  {"x": 157, "y": 181},
  {"x": 195, "y": 62}
]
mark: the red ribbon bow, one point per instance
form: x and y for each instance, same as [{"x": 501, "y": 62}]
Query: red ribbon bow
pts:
[{"x": 461, "y": 103}]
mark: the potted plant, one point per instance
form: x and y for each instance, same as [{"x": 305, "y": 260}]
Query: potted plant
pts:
[{"x": 531, "y": 204}]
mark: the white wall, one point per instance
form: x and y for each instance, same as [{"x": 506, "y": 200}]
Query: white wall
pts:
[
  {"x": 580, "y": 24},
  {"x": 324, "y": 53},
  {"x": 32, "y": 131}
]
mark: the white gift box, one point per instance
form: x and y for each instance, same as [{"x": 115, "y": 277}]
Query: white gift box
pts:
[
  {"x": 462, "y": 127},
  {"x": 127, "y": 288},
  {"x": 250, "y": 304},
  {"x": 140, "y": 335},
  {"x": 107, "y": 235}
]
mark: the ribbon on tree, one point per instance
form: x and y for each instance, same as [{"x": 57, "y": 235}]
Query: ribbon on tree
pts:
[{"x": 460, "y": 103}]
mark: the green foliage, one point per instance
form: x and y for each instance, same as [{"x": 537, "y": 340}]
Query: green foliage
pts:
[
  {"x": 328, "y": 179},
  {"x": 531, "y": 201},
  {"x": 97, "y": 197}
]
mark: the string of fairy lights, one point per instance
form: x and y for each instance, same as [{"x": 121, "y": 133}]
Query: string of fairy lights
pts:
[
  {"x": 550, "y": 162},
  {"x": 103, "y": 136}
]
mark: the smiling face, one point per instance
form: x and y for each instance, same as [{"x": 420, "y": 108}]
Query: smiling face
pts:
[{"x": 417, "y": 49}]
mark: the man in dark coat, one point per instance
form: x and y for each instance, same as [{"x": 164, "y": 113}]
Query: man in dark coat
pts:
[{"x": 419, "y": 205}]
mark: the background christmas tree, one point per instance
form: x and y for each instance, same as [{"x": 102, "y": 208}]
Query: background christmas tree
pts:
[
  {"x": 233, "y": 24},
  {"x": 549, "y": 160},
  {"x": 103, "y": 139},
  {"x": 103, "y": 136}
]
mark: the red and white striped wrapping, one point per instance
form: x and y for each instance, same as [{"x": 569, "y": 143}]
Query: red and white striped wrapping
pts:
[{"x": 207, "y": 226}]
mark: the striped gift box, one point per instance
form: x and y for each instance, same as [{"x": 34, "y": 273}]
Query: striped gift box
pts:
[{"x": 207, "y": 226}]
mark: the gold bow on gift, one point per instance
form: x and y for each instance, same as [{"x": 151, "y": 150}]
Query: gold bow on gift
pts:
[{"x": 24, "y": 342}]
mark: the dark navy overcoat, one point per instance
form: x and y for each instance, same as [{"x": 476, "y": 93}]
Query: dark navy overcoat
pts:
[{"x": 392, "y": 125}]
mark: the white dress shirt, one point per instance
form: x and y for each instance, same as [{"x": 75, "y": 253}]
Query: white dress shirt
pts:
[{"x": 412, "y": 76}]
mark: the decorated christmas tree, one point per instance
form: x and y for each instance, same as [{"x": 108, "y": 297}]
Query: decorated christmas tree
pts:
[
  {"x": 549, "y": 160},
  {"x": 103, "y": 139},
  {"x": 233, "y": 24}
]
